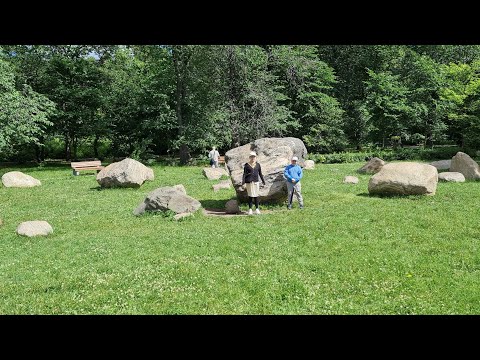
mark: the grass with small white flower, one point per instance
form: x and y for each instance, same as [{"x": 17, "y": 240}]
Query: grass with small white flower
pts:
[{"x": 345, "y": 253}]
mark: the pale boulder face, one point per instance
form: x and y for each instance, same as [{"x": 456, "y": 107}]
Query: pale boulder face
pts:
[
  {"x": 273, "y": 154},
  {"x": 214, "y": 173},
  {"x": 168, "y": 198},
  {"x": 309, "y": 165},
  {"x": 19, "y": 179},
  {"x": 373, "y": 166},
  {"x": 464, "y": 164},
  {"x": 125, "y": 173},
  {"x": 451, "y": 176},
  {"x": 405, "y": 178},
  {"x": 350, "y": 180},
  {"x": 34, "y": 228}
]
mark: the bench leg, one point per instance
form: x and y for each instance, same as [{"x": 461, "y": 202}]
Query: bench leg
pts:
[{"x": 75, "y": 172}]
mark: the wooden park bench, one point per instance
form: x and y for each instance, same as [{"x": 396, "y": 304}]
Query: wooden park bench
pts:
[
  {"x": 221, "y": 160},
  {"x": 86, "y": 165}
]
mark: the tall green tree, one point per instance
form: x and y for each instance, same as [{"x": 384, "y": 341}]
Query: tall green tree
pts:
[
  {"x": 251, "y": 102},
  {"x": 308, "y": 86},
  {"x": 424, "y": 79},
  {"x": 386, "y": 106},
  {"x": 23, "y": 112},
  {"x": 138, "y": 115},
  {"x": 462, "y": 93}
]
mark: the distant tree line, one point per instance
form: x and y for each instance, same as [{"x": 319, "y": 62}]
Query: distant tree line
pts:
[{"x": 140, "y": 101}]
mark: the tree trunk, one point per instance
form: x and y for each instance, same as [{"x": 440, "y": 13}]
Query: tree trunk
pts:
[
  {"x": 67, "y": 148},
  {"x": 184, "y": 154},
  {"x": 74, "y": 146},
  {"x": 37, "y": 154},
  {"x": 95, "y": 146}
]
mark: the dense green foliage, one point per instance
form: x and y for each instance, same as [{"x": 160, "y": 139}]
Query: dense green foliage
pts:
[
  {"x": 346, "y": 253},
  {"x": 387, "y": 155},
  {"x": 141, "y": 101},
  {"x": 23, "y": 113}
]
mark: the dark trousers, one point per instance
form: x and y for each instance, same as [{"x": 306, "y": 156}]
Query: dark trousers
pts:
[{"x": 250, "y": 202}]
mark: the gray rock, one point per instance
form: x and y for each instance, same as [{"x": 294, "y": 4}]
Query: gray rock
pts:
[
  {"x": 214, "y": 173},
  {"x": 231, "y": 207},
  {"x": 405, "y": 178},
  {"x": 273, "y": 154},
  {"x": 226, "y": 184},
  {"x": 464, "y": 164},
  {"x": 350, "y": 180},
  {"x": 34, "y": 228},
  {"x": 125, "y": 173},
  {"x": 451, "y": 176},
  {"x": 373, "y": 166},
  {"x": 180, "y": 188},
  {"x": 309, "y": 165},
  {"x": 168, "y": 198},
  {"x": 442, "y": 164},
  {"x": 19, "y": 179}
]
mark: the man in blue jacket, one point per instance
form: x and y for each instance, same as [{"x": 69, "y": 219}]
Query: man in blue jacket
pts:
[{"x": 293, "y": 173}]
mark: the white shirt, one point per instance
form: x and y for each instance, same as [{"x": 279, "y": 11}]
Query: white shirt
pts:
[{"x": 213, "y": 155}]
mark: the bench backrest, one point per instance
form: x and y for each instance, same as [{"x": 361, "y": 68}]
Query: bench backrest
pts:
[
  {"x": 221, "y": 159},
  {"x": 80, "y": 164}
]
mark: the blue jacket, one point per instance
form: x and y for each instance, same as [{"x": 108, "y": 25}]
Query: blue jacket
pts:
[{"x": 293, "y": 172}]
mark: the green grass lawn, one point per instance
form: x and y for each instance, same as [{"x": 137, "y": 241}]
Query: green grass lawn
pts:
[{"x": 346, "y": 253}]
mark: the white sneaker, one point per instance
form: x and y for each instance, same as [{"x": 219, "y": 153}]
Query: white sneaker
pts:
[
  {"x": 257, "y": 211},
  {"x": 250, "y": 212}
]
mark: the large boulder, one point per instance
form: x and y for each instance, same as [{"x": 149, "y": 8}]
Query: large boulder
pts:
[
  {"x": 273, "y": 154},
  {"x": 126, "y": 173},
  {"x": 168, "y": 198},
  {"x": 19, "y": 179},
  {"x": 373, "y": 166},
  {"x": 450, "y": 176},
  {"x": 309, "y": 165},
  {"x": 442, "y": 164},
  {"x": 464, "y": 164},
  {"x": 34, "y": 228},
  {"x": 405, "y": 178},
  {"x": 214, "y": 173}
]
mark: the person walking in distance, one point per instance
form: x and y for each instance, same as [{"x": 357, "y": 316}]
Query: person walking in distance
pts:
[
  {"x": 293, "y": 173},
  {"x": 252, "y": 171},
  {"x": 213, "y": 155}
]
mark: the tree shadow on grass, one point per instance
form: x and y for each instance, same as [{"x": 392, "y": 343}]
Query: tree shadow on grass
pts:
[{"x": 213, "y": 204}]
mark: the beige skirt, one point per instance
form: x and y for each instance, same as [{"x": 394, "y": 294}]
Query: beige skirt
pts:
[{"x": 253, "y": 189}]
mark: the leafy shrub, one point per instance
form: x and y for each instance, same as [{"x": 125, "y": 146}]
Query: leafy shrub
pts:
[{"x": 388, "y": 155}]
